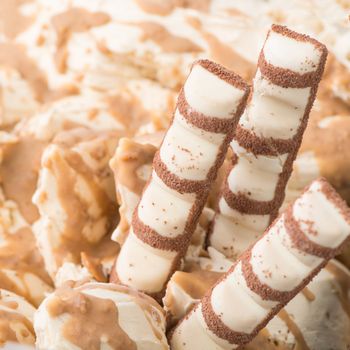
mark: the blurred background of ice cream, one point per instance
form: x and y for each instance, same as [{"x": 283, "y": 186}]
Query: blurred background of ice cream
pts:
[{"x": 76, "y": 76}]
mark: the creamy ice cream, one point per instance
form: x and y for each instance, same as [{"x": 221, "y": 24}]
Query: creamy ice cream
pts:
[
  {"x": 75, "y": 199},
  {"x": 16, "y": 319},
  {"x": 22, "y": 267},
  {"x": 86, "y": 86},
  {"x": 99, "y": 316}
]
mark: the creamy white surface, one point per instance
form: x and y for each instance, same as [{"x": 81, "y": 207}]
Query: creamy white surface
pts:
[
  {"x": 50, "y": 228},
  {"x": 327, "y": 220},
  {"x": 302, "y": 56},
  {"x": 210, "y": 95},
  {"x": 139, "y": 324},
  {"x": 142, "y": 266}
]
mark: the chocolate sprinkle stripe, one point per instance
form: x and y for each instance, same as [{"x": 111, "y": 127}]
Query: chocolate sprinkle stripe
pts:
[
  {"x": 153, "y": 238},
  {"x": 334, "y": 197},
  {"x": 201, "y": 121},
  {"x": 243, "y": 204},
  {"x": 283, "y": 77},
  {"x": 286, "y": 78},
  {"x": 263, "y": 146},
  {"x": 240, "y": 202},
  {"x": 223, "y": 73},
  {"x": 218, "y": 327},
  {"x": 258, "y": 287},
  {"x": 175, "y": 182},
  {"x": 300, "y": 239},
  {"x": 301, "y": 37}
]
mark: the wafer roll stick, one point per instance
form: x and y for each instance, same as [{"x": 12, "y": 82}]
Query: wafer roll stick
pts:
[
  {"x": 269, "y": 274},
  {"x": 267, "y": 138},
  {"x": 194, "y": 147}
]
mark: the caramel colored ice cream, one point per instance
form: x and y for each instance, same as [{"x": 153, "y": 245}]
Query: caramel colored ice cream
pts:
[
  {"x": 98, "y": 316},
  {"x": 16, "y": 319}
]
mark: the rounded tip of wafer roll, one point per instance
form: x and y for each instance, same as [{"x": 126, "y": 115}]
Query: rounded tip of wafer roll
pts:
[
  {"x": 222, "y": 72},
  {"x": 284, "y": 30}
]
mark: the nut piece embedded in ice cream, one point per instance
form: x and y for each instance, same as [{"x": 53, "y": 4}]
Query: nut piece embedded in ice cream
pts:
[{"x": 99, "y": 316}]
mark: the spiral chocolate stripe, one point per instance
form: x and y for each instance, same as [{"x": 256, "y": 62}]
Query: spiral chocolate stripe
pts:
[
  {"x": 301, "y": 241},
  {"x": 218, "y": 327},
  {"x": 262, "y": 289},
  {"x": 185, "y": 166},
  {"x": 259, "y": 146},
  {"x": 223, "y": 73},
  {"x": 269, "y": 274},
  {"x": 210, "y": 124},
  {"x": 267, "y": 139},
  {"x": 175, "y": 182},
  {"x": 240, "y": 202},
  {"x": 153, "y": 238},
  {"x": 285, "y": 77}
]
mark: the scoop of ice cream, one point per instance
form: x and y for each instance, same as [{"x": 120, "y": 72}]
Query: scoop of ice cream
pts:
[
  {"x": 63, "y": 47},
  {"x": 75, "y": 198},
  {"x": 130, "y": 107},
  {"x": 99, "y": 316},
  {"x": 16, "y": 319},
  {"x": 316, "y": 319},
  {"x": 21, "y": 265}
]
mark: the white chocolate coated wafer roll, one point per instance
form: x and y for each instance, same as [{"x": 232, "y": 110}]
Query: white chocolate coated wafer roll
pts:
[
  {"x": 268, "y": 275},
  {"x": 267, "y": 138},
  {"x": 194, "y": 147}
]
